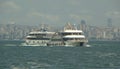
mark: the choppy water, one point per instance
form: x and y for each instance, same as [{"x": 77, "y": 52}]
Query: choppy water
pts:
[{"x": 101, "y": 55}]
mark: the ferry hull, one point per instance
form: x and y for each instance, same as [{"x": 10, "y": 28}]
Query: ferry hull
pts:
[
  {"x": 26, "y": 44},
  {"x": 75, "y": 43},
  {"x": 66, "y": 44}
]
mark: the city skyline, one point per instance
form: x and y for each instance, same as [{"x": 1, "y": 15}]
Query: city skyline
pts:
[
  {"x": 19, "y": 32},
  {"x": 58, "y": 12}
]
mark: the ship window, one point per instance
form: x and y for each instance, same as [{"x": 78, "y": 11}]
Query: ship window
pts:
[
  {"x": 28, "y": 41},
  {"x": 75, "y": 33},
  {"x": 33, "y": 41},
  {"x": 37, "y": 41},
  {"x": 67, "y": 34}
]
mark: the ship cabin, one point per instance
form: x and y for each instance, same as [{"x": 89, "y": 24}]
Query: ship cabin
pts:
[{"x": 76, "y": 35}]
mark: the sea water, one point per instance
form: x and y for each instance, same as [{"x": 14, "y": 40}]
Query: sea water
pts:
[{"x": 100, "y": 55}]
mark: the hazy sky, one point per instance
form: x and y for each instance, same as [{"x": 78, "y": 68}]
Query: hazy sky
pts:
[{"x": 34, "y": 12}]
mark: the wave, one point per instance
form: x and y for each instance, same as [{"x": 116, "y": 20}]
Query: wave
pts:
[{"x": 10, "y": 45}]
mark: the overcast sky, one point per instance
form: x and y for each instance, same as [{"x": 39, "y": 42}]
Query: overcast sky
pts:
[{"x": 34, "y": 12}]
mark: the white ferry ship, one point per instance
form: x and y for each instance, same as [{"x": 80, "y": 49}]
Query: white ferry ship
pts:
[
  {"x": 70, "y": 36},
  {"x": 38, "y": 38}
]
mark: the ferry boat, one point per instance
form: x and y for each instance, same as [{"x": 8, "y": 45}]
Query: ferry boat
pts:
[
  {"x": 73, "y": 37},
  {"x": 38, "y": 38},
  {"x": 70, "y": 36}
]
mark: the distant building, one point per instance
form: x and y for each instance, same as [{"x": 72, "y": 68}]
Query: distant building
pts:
[
  {"x": 109, "y": 22},
  {"x": 83, "y": 25}
]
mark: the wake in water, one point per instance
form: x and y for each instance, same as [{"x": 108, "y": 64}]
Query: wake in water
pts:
[
  {"x": 31, "y": 65},
  {"x": 87, "y": 45}
]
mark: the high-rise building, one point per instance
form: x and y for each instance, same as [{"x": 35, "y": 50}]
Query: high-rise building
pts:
[
  {"x": 109, "y": 22},
  {"x": 83, "y": 25}
]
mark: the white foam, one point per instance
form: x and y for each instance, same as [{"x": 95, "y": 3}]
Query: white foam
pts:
[{"x": 87, "y": 45}]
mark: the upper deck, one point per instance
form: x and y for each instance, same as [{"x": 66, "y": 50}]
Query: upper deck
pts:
[
  {"x": 39, "y": 32},
  {"x": 72, "y": 31}
]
